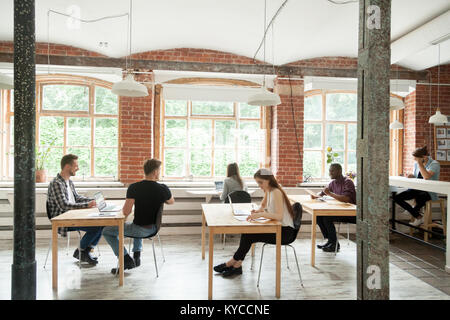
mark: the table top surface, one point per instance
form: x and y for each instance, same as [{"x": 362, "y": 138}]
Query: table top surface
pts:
[
  {"x": 220, "y": 215},
  {"x": 83, "y": 214},
  {"x": 327, "y": 205},
  {"x": 211, "y": 192}
]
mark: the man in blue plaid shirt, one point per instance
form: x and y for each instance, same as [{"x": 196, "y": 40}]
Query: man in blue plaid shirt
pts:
[{"x": 62, "y": 197}]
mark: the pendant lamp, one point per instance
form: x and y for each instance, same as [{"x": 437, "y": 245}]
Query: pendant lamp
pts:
[
  {"x": 6, "y": 82},
  {"x": 438, "y": 118},
  {"x": 129, "y": 87},
  {"x": 396, "y": 125},
  {"x": 396, "y": 103}
]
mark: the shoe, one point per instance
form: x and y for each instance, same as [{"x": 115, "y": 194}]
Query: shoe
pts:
[
  {"x": 137, "y": 258},
  {"x": 221, "y": 268},
  {"x": 321, "y": 246},
  {"x": 86, "y": 257},
  {"x": 232, "y": 271},
  {"x": 331, "y": 247},
  {"x": 128, "y": 263},
  {"x": 417, "y": 222},
  {"x": 76, "y": 255}
]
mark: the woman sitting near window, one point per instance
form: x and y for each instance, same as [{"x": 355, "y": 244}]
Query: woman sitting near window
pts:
[{"x": 233, "y": 181}]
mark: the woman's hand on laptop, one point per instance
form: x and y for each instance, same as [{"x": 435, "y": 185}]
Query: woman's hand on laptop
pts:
[
  {"x": 92, "y": 204},
  {"x": 254, "y": 215}
]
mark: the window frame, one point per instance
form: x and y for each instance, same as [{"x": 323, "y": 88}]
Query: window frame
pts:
[
  {"x": 324, "y": 122},
  {"x": 262, "y": 120},
  {"x": 91, "y": 83}
]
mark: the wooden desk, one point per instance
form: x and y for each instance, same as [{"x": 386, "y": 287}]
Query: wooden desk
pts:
[
  {"x": 209, "y": 194},
  {"x": 219, "y": 219},
  {"x": 322, "y": 208},
  {"x": 430, "y": 186},
  {"x": 80, "y": 218}
]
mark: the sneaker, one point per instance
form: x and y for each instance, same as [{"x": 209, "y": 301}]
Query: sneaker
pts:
[
  {"x": 128, "y": 263},
  {"x": 76, "y": 255},
  {"x": 137, "y": 258},
  {"x": 331, "y": 247},
  {"x": 417, "y": 222},
  {"x": 221, "y": 268},
  {"x": 321, "y": 246},
  {"x": 232, "y": 271}
]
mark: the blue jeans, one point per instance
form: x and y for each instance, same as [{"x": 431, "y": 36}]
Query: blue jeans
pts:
[
  {"x": 111, "y": 235},
  {"x": 90, "y": 238}
]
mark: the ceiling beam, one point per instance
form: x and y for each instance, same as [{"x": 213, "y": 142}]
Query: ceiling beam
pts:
[{"x": 282, "y": 71}]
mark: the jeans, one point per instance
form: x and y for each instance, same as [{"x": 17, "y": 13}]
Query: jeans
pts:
[
  {"x": 111, "y": 235},
  {"x": 326, "y": 225},
  {"x": 421, "y": 198},
  {"x": 91, "y": 237},
  {"x": 247, "y": 239}
]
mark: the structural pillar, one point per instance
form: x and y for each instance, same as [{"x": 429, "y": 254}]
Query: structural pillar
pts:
[
  {"x": 23, "y": 279},
  {"x": 374, "y": 58}
]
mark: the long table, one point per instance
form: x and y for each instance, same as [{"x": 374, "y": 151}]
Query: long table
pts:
[
  {"x": 219, "y": 220},
  {"x": 322, "y": 208},
  {"x": 81, "y": 218},
  {"x": 430, "y": 186}
]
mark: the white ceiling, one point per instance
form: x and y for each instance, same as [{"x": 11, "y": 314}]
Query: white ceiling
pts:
[{"x": 304, "y": 29}]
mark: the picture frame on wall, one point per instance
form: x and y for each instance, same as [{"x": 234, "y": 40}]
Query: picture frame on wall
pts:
[
  {"x": 448, "y": 155},
  {"x": 441, "y": 155},
  {"x": 441, "y": 133},
  {"x": 442, "y": 144},
  {"x": 448, "y": 132}
]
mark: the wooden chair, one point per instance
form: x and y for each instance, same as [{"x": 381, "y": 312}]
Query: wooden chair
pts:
[{"x": 428, "y": 222}]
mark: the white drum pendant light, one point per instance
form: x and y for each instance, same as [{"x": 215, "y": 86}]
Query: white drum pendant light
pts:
[
  {"x": 396, "y": 125},
  {"x": 396, "y": 103},
  {"x": 129, "y": 87},
  {"x": 6, "y": 82},
  {"x": 438, "y": 118},
  {"x": 264, "y": 98}
]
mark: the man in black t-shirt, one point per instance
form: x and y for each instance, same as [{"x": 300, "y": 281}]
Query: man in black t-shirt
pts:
[{"x": 147, "y": 196}]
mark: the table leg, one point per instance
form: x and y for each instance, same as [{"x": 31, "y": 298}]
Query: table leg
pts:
[
  {"x": 55, "y": 256},
  {"x": 313, "y": 239},
  {"x": 203, "y": 235},
  {"x": 121, "y": 257},
  {"x": 278, "y": 263},
  {"x": 210, "y": 266},
  {"x": 253, "y": 249}
]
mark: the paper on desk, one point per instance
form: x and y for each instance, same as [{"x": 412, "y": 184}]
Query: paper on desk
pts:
[
  {"x": 103, "y": 214},
  {"x": 244, "y": 218}
]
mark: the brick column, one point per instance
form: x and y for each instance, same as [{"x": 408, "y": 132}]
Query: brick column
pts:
[
  {"x": 286, "y": 162},
  {"x": 135, "y": 127}
]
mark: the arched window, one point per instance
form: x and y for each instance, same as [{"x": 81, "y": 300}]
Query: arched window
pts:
[{"x": 76, "y": 115}]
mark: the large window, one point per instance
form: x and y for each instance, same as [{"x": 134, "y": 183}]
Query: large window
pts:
[
  {"x": 76, "y": 117},
  {"x": 200, "y": 138},
  {"x": 329, "y": 121}
]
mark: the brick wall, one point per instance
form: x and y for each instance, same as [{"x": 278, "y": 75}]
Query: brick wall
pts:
[
  {"x": 418, "y": 132},
  {"x": 286, "y": 162},
  {"x": 135, "y": 126}
]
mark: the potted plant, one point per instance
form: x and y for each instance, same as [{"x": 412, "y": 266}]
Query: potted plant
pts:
[{"x": 41, "y": 158}]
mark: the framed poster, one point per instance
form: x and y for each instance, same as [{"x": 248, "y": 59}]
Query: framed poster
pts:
[
  {"x": 441, "y": 133},
  {"x": 442, "y": 155},
  {"x": 442, "y": 144}
]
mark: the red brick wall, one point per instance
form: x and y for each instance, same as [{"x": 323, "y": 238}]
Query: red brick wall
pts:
[
  {"x": 135, "y": 123},
  {"x": 418, "y": 132},
  {"x": 286, "y": 162}
]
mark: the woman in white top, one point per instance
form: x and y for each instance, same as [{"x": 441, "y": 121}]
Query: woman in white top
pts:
[
  {"x": 275, "y": 206},
  {"x": 233, "y": 182}
]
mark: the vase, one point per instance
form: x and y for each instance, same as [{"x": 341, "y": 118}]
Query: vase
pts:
[{"x": 41, "y": 176}]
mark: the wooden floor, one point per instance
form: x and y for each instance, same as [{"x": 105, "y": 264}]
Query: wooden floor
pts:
[{"x": 184, "y": 274}]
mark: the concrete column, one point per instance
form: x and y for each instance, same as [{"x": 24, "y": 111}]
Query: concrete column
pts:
[
  {"x": 373, "y": 149},
  {"x": 23, "y": 280}
]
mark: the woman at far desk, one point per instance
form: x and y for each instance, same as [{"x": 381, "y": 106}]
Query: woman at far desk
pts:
[{"x": 233, "y": 181}]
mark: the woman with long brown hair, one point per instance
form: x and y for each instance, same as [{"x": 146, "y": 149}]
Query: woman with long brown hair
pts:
[
  {"x": 275, "y": 206},
  {"x": 233, "y": 181}
]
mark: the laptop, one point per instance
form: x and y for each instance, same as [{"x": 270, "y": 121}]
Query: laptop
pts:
[
  {"x": 104, "y": 206},
  {"x": 238, "y": 212},
  {"x": 219, "y": 185}
]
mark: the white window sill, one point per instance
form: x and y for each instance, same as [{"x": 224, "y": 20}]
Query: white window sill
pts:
[{"x": 79, "y": 184}]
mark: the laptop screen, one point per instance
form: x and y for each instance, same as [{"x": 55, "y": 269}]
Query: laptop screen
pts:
[
  {"x": 219, "y": 185},
  {"x": 100, "y": 200}
]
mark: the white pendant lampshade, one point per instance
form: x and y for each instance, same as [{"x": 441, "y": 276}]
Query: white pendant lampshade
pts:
[
  {"x": 396, "y": 125},
  {"x": 396, "y": 103},
  {"x": 264, "y": 98},
  {"x": 129, "y": 88},
  {"x": 438, "y": 118},
  {"x": 6, "y": 82}
]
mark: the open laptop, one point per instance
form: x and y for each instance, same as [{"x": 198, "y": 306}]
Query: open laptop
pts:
[
  {"x": 104, "y": 206},
  {"x": 238, "y": 212},
  {"x": 219, "y": 185}
]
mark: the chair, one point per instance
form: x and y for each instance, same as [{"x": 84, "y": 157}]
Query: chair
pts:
[
  {"x": 151, "y": 236},
  {"x": 237, "y": 197},
  {"x": 68, "y": 240},
  {"x": 428, "y": 222},
  {"x": 298, "y": 212},
  {"x": 337, "y": 236}
]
